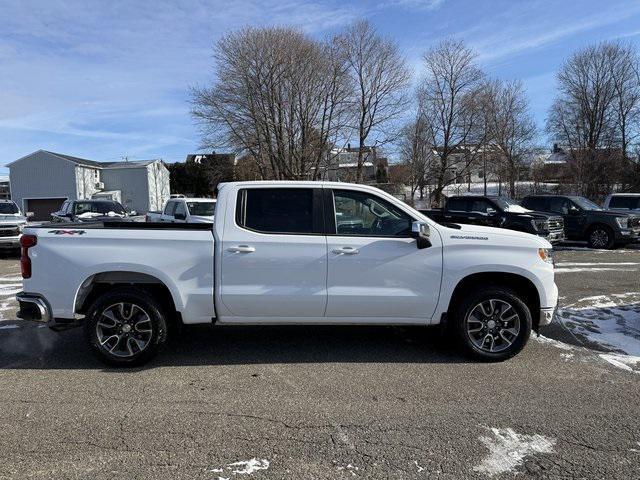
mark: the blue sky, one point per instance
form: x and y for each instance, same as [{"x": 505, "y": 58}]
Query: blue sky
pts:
[{"x": 108, "y": 79}]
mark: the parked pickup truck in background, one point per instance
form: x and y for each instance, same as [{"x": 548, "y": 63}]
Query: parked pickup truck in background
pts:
[
  {"x": 185, "y": 210},
  {"x": 281, "y": 253},
  {"x": 501, "y": 212},
  {"x": 623, "y": 202},
  {"x": 91, "y": 211},
  {"x": 12, "y": 221},
  {"x": 584, "y": 220}
]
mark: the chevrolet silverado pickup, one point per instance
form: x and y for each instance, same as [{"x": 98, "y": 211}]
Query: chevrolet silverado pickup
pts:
[
  {"x": 288, "y": 253},
  {"x": 501, "y": 212}
]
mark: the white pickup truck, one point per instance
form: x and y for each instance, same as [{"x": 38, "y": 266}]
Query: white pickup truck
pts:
[
  {"x": 288, "y": 253},
  {"x": 185, "y": 210}
]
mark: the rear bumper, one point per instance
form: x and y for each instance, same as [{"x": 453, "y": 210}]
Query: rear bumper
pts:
[{"x": 33, "y": 307}]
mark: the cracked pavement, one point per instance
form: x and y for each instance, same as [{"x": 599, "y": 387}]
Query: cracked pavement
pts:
[{"x": 317, "y": 402}]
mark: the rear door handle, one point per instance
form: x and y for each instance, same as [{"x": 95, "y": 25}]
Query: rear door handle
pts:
[
  {"x": 345, "y": 251},
  {"x": 241, "y": 249}
]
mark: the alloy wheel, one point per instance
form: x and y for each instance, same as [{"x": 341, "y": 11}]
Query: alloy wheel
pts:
[
  {"x": 493, "y": 325},
  {"x": 124, "y": 329},
  {"x": 599, "y": 238}
]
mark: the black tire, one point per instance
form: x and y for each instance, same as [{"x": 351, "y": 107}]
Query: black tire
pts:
[
  {"x": 139, "y": 337},
  {"x": 464, "y": 317},
  {"x": 601, "y": 236}
]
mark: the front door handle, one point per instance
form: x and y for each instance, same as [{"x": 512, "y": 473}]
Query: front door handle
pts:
[
  {"x": 241, "y": 249},
  {"x": 345, "y": 251}
]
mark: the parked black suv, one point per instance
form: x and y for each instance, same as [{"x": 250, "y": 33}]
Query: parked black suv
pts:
[
  {"x": 495, "y": 211},
  {"x": 584, "y": 220}
]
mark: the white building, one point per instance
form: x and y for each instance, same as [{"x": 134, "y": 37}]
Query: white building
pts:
[{"x": 42, "y": 180}]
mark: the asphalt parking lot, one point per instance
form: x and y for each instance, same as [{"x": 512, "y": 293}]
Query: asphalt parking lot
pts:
[{"x": 336, "y": 402}]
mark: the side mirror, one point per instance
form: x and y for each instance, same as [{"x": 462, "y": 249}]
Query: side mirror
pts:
[
  {"x": 133, "y": 213},
  {"x": 491, "y": 211},
  {"x": 420, "y": 231},
  {"x": 574, "y": 211},
  {"x": 180, "y": 216},
  {"x": 30, "y": 214}
]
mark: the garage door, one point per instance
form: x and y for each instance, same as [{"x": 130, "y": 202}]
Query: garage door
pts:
[{"x": 42, "y": 207}]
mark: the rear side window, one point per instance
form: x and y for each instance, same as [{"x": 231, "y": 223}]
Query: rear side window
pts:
[
  {"x": 536, "y": 203},
  {"x": 278, "y": 210},
  {"x": 457, "y": 204},
  {"x": 624, "y": 202}
]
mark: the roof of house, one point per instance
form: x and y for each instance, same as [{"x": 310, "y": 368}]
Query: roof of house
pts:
[{"x": 94, "y": 163}]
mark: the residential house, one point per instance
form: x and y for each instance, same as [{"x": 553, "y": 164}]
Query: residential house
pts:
[{"x": 42, "y": 180}]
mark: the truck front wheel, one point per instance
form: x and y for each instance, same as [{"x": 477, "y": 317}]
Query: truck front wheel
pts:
[
  {"x": 125, "y": 327},
  {"x": 492, "y": 324},
  {"x": 601, "y": 236}
]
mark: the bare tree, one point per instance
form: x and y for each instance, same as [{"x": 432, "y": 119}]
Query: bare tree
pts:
[
  {"x": 379, "y": 83},
  {"x": 594, "y": 112},
  {"x": 416, "y": 155},
  {"x": 511, "y": 128},
  {"x": 451, "y": 109},
  {"x": 279, "y": 98},
  {"x": 625, "y": 67}
]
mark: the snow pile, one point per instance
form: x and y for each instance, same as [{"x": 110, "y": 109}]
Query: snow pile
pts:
[{"x": 507, "y": 450}]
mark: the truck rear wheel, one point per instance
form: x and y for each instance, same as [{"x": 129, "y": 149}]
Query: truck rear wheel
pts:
[
  {"x": 125, "y": 327},
  {"x": 492, "y": 324}
]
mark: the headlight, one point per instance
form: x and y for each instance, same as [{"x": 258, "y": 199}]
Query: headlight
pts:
[
  {"x": 540, "y": 225},
  {"x": 623, "y": 222},
  {"x": 546, "y": 255}
]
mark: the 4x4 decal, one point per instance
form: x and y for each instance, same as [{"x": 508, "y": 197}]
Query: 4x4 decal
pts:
[{"x": 67, "y": 232}]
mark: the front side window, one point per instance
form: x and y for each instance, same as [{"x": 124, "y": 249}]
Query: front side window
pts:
[
  {"x": 560, "y": 205},
  {"x": 481, "y": 206},
  {"x": 277, "y": 210},
  {"x": 366, "y": 215},
  {"x": 624, "y": 202},
  {"x": 204, "y": 209}
]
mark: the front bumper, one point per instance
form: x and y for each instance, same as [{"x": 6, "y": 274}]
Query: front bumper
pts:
[
  {"x": 554, "y": 237},
  {"x": 33, "y": 307},
  {"x": 546, "y": 316},
  {"x": 10, "y": 242}
]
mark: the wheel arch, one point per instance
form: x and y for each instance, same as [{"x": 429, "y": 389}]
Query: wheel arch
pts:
[
  {"x": 519, "y": 283},
  {"x": 98, "y": 283}
]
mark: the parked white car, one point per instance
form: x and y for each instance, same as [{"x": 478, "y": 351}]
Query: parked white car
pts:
[
  {"x": 12, "y": 221},
  {"x": 289, "y": 253},
  {"x": 185, "y": 210}
]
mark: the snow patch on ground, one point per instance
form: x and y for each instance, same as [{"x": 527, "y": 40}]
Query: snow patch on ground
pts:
[
  {"x": 625, "y": 362},
  {"x": 242, "y": 467},
  {"x": 612, "y": 321},
  {"x": 507, "y": 450},
  {"x": 553, "y": 342}
]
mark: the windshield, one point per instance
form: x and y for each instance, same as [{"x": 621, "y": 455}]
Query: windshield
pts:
[
  {"x": 99, "y": 207},
  {"x": 509, "y": 205},
  {"x": 585, "y": 204},
  {"x": 8, "y": 208},
  {"x": 203, "y": 209}
]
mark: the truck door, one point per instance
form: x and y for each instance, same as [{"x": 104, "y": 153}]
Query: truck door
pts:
[
  {"x": 167, "y": 214},
  {"x": 274, "y": 255},
  {"x": 375, "y": 269}
]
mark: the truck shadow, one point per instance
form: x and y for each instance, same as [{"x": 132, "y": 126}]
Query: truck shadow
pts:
[{"x": 30, "y": 347}]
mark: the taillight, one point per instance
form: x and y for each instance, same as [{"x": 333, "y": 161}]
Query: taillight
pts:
[{"x": 26, "y": 242}]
